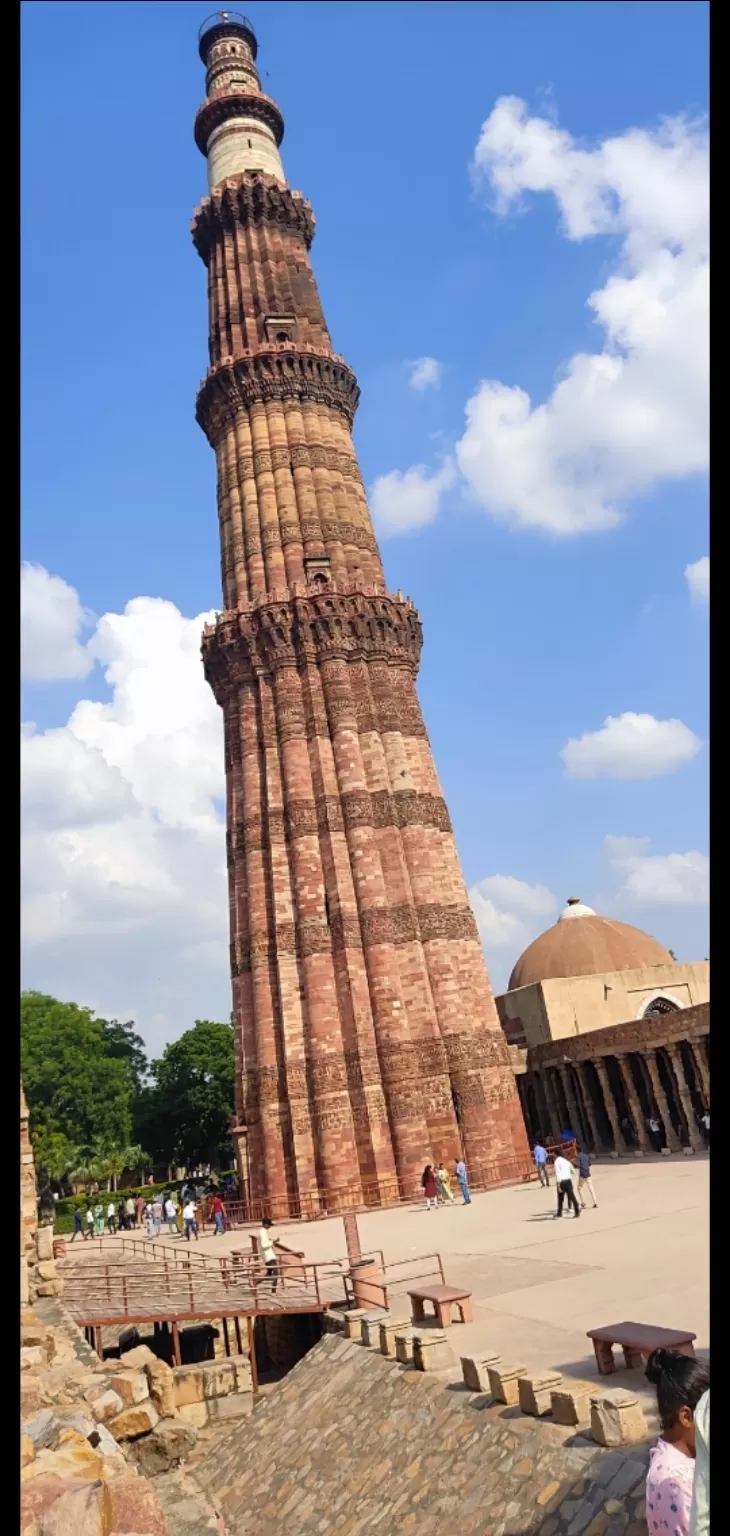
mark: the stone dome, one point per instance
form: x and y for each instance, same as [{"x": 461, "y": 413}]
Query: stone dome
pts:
[{"x": 586, "y": 945}]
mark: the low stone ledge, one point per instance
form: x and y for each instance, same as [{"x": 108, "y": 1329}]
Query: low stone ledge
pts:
[
  {"x": 403, "y": 1340},
  {"x": 388, "y": 1330},
  {"x": 535, "y": 1392},
  {"x": 475, "y": 1372},
  {"x": 370, "y": 1327},
  {"x": 504, "y": 1382},
  {"x": 617, "y": 1418},
  {"x": 571, "y": 1402},
  {"x": 432, "y": 1351}
]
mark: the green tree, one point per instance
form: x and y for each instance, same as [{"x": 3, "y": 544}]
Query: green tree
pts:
[
  {"x": 186, "y": 1112},
  {"x": 123, "y": 1044},
  {"x": 75, "y": 1088}
]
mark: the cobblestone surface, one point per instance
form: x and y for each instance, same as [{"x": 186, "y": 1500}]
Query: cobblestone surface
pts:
[{"x": 350, "y": 1443}]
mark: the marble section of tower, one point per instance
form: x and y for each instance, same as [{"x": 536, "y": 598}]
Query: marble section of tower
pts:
[{"x": 367, "y": 1040}]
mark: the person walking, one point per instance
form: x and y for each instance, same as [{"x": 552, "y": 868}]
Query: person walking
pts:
[
  {"x": 655, "y": 1132},
  {"x": 428, "y": 1185},
  {"x": 267, "y": 1252},
  {"x": 78, "y": 1227},
  {"x": 541, "y": 1164},
  {"x": 140, "y": 1206},
  {"x": 111, "y": 1218},
  {"x": 463, "y": 1180},
  {"x": 564, "y": 1181},
  {"x": 218, "y": 1213},
  {"x": 191, "y": 1224},
  {"x": 99, "y": 1220},
  {"x": 699, "y": 1522},
  {"x": 705, "y": 1123},
  {"x": 585, "y": 1182},
  {"x": 89, "y": 1222},
  {"x": 157, "y": 1215},
  {"x": 443, "y": 1186},
  {"x": 130, "y": 1213},
  {"x": 170, "y": 1215},
  {"x": 681, "y": 1382},
  {"x": 121, "y": 1217}
]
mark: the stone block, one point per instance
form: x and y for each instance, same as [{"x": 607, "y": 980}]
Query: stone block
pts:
[
  {"x": 24, "y": 1283},
  {"x": 135, "y": 1508},
  {"x": 404, "y": 1346},
  {"x": 42, "y": 1429},
  {"x": 80, "y": 1424},
  {"x": 665, "y": 1152},
  {"x": 32, "y": 1358},
  {"x": 197, "y": 1413},
  {"x": 162, "y": 1388},
  {"x": 27, "y": 1450},
  {"x": 431, "y": 1351},
  {"x": 370, "y": 1327},
  {"x": 333, "y": 1322},
  {"x": 138, "y": 1420},
  {"x": 244, "y": 1381},
  {"x": 219, "y": 1378},
  {"x": 130, "y": 1385},
  {"x": 571, "y": 1403},
  {"x": 475, "y": 1372},
  {"x": 30, "y": 1395},
  {"x": 46, "y": 1271},
  {"x": 388, "y": 1331},
  {"x": 238, "y": 1406},
  {"x": 35, "y": 1498},
  {"x": 106, "y": 1406},
  {"x": 85, "y": 1508},
  {"x": 49, "y": 1288},
  {"x": 504, "y": 1382},
  {"x": 74, "y": 1460},
  {"x": 534, "y": 1392},
  {"x": 688, "y": 1151},
  {"x": 165, "y": 1447},
  {"x": 353, "y": 1322},
  {"x": 44, "y": 1243},
  {"x": 139, "y": 1357},
  {"x": 188, "y": 1385},
  {"x": 617, "y": 1418}
]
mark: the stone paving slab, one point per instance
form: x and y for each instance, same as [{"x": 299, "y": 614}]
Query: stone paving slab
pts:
[{"x": 350, "y": 1443}]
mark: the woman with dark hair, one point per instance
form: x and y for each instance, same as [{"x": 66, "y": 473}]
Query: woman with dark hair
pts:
[
  {"x": 680, "y": 1381},
  {"x": 428, "y": 1185}
]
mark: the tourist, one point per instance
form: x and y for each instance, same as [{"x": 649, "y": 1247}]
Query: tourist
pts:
[
  {"x": 564, "y": 1181},
  {"x": 99, "y": 1220},
  {"x": 140, "y": 1206},
  {"x": 191, "y": 1224},
  {"x": 130, "y": 1212},
  {"x": 428, "y": 1185},
  {"x": 149, "y": 1221},
  {"x": 705, "y": 1123},
  {"x": 443, "y": 1187},
  {"x": 111, "y": 1218},
  {"x": 541, "y": 1164},
  {"x": 89, "y": 1222},
  {"x": 655, "y": 1133},
  {"x": 179, "y": 1218},
  {"x": 219, "y": 1215},
  {"x": 461, "y": 1175},
  {"x": 78, "y": 1226},
  {"x": 680, "y": 1381},
  {"x": 699, "y": 1524},
  {"x": 583, "y": 1164},
  {"x": 121, "y": 1216},
  {"x": 157, "y": 1215},
  {"x": 268, "y": 1252},
  {"x": 170, "y": 1215}
]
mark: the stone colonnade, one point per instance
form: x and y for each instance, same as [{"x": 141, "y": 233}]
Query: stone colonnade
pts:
[{"x": 620, "y": 1093}]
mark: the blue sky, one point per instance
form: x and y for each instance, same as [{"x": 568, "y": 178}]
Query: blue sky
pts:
[{"x": 531, "y": 639}]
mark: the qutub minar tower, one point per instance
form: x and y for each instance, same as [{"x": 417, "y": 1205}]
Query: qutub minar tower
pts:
[{"x": 367, "y": 1040}]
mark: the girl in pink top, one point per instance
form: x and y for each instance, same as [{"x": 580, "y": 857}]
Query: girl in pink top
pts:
[{"x": 680, "y": 1382}]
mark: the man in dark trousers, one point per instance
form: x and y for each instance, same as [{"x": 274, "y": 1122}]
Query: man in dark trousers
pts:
[{"x": 564, "y": 1181}]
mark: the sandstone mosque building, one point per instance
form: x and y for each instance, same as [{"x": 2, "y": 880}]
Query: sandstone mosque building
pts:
[
  {"x": 607, "y": 1033},
  {"x": 367, "y": 1037}
]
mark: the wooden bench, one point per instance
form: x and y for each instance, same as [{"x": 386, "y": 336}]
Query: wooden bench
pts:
[
  {"x": 637, "y": 1340},
  {"x": 442, "y": 1298}
]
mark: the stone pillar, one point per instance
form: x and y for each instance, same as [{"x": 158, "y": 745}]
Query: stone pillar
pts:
[
  {"x": 552, "y": 1103},
  {"x": 634, "y": 1102},
  {"x": 701, "y": 1068},
  {"x": 588, "y": 1106},
  {"x": 661, "y": 1101},
  {"x": 608, "y": 1100},
  {"x": 675, "y": 1057},
  {"x": 541, "y": 1099},
  {"x": 573, "y": 1108}
]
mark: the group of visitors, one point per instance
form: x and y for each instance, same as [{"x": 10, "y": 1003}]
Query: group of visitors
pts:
[
  {"x": 436, "y": 1184},
  {"x": 569, "y": 1171},
  {"x": 148, "y": 1215}
]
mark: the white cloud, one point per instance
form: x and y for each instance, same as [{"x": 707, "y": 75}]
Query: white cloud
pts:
[
  {"x": 509, "y": 914},
  {"x": 633, "y": 413},
  {"x": 630, "y": 746},
  {"x": 402, "y": 501},
  {"x": 124, "y": 870},
  {"x": 698, "y": 579},
  {"x": 425, "y": 373},
  {"x": 51, "y": 620},
  {"x": 681, "y": 879}
]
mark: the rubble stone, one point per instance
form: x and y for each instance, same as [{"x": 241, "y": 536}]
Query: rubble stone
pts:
[{"x": 617, "y": 1418}]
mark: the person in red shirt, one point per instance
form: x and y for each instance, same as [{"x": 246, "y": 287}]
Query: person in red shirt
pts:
[{"x": 218, "y": 1211}]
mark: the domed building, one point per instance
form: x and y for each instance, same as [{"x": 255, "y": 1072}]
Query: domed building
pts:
[{"x": 609, "y": 1036}]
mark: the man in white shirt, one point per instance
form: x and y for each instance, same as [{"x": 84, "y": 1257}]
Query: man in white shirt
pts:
[
  {"x": 191, "y": 1224},
  {"x": 268, "y": 1252},
  {"x": 564, "y": 1181}
]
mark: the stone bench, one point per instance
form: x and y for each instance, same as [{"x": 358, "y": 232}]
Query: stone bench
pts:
[
  {"x": 637, "y": 1340},
  {"x": 442, "y": 1298}
]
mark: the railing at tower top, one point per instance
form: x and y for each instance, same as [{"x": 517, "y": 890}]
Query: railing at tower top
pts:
[{"x": 223, "y": 19}]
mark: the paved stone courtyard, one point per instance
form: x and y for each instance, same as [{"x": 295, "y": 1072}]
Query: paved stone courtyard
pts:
[{"x": 539, "y": 1284}]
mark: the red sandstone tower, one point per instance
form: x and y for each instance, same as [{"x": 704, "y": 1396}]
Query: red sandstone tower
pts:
[{"x": 367, "y": 1040}]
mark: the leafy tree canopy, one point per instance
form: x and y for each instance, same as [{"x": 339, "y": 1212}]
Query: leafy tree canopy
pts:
[
  {"x": 77, "y": 1090},
  {"x": 188, "y": 1109}
]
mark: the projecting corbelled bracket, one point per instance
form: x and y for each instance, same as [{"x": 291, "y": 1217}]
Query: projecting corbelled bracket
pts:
[
  {"x": 236, "y": 104},
  {"x": 250, "y": 200},
  {"x": 309, "y": 630},
  {"x": 279, "y": 372}
]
